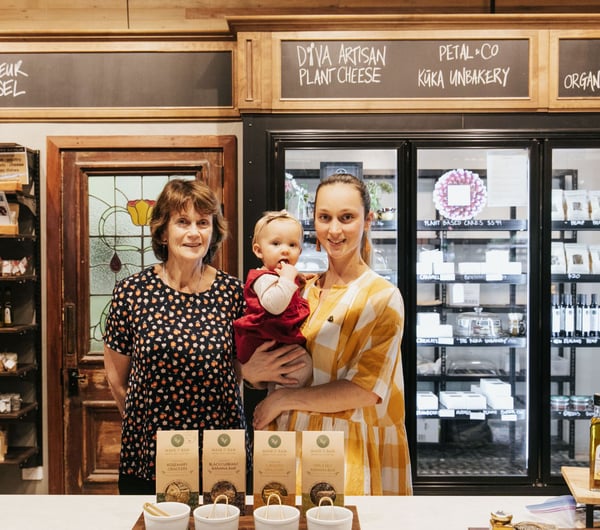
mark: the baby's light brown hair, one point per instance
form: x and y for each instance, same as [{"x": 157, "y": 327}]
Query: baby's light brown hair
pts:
[{"x": 270, "y": 216}]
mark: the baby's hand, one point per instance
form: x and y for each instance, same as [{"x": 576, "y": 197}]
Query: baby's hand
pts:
[{"x": 285, "y": 270}]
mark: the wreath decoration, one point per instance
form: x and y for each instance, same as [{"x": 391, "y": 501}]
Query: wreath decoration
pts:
[{"x": 456, "y": 177}]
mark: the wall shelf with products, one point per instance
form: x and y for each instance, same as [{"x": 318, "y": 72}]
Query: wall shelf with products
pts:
[{"x": 20, "y": 299}]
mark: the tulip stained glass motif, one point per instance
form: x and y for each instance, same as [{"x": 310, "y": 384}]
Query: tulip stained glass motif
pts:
[{"x": 140, "y": 211}]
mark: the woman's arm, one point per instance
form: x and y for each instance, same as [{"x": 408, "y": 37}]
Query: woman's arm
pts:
[
  {"x": 273, "y": 365},
  {"x": 335, "y": 396},
  {"x": 117, "y": 368}
]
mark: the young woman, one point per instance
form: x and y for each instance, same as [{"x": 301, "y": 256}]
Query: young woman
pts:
[{"x": 354, "y": 334}]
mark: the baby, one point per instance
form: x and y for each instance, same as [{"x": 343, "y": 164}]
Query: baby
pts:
[{"x": 275, "y": 308}]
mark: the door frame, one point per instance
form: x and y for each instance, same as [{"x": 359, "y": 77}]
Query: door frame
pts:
[{"x": 55, "y": 322}]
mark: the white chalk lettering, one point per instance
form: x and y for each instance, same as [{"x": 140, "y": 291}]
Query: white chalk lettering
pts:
[
  {"x": 9, "y": 72},
  {"x": 455, "y": 52},
  {"x": 583, "y": 81},
  {"x": 315, "y": 76},
  {"x": 357, "y": 55},
  {"x": 430, "y": 78},
  {"x": 359, "y": 76},
  {"x": 463, "y": 52},
  {"x": 12, "y": 69},
  {"x": 479, "y": 76},
  {"x": 9, "y": 88},
  {"x": 315, "y": 55}
]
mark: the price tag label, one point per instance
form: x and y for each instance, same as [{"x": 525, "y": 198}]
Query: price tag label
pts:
[{"x": 508, "y": 415}]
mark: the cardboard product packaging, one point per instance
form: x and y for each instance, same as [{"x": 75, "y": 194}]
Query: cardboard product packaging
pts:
[
  {"x": 558, "y": 205},
  {"x": 224, "y": 466},
  {"x": 322, "y": 467},
  {"x": 274, "y": 467},
  {"x": 594, "y": 258},
  {"x": 577, "y": 258},
  {"x": 594, "y": 198},
  {"x": 558, "y": 260},
  {"x": 577, "y": 203},
  {"x": 177, "y": 467}
]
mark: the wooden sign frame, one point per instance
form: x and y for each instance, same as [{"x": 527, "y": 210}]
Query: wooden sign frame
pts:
[
  {"x": 578, "y": 66},
  {"x": 115, "y": 51},
  {"x": 261, "y": 55}
]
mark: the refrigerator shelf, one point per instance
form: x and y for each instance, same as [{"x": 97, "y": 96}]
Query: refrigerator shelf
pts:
[
  {"x": 462, "y": 414},
  {"x": 513, "y": 342},
  {"x": 572, "y": 414},
  {"x": 576, "y": 225},
  {"x": 512, "y": 279},
  {"x": 472, "y": 224},
  {"x": 576, "y": 278},
  {"x": 580, "y": 342}
]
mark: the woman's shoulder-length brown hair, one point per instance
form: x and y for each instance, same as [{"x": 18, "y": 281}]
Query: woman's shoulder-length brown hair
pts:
[{"x": 175, "y": 197}]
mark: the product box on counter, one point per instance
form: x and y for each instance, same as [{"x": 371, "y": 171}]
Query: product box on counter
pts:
[
  {"x": 274, "y": 470},
  {"x": 323, "y": 470},
  {"x": 463, "y": 400},
  {"x": 224, "y": 466},
  {"x": 177, "y": 466}
]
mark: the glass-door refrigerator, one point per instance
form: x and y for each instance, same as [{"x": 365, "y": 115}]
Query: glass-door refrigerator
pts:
[
  {"x": 573, "y": 176},
  {"x": 475, "y": 241},
  {"x": 304, "y": 168}
]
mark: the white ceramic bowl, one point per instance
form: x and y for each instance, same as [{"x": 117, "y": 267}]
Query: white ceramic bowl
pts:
[
  {"x": 276, "y": 517},
  {"x": 178, "y": 519},
  {"x": 218, "y": 516},
  {"x": 329, "y": 518}
]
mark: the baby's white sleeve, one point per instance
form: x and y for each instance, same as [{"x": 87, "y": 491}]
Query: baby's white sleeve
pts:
[{"x": 274, "y": 293}]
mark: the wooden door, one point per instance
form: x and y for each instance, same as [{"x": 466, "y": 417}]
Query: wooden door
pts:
[{"x": 96, "y": 236}]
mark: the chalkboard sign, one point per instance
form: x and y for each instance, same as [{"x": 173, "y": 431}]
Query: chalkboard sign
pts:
[
  {"x": 136, "y": 79},
  {"x": 579, "y": 68},
  {"x": 405, "y": 69}
]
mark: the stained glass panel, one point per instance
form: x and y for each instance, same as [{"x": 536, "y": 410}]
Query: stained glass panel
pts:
[{"x": 120, "y": 242}]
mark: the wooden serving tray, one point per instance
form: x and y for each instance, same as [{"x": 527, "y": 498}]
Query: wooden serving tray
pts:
[{"x": 247, "y": 521}]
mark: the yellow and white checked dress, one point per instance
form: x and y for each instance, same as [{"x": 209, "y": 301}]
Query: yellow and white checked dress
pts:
[{"x": 355, "y": 334}]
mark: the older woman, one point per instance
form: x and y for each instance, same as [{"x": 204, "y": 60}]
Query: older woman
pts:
[{"x": 169, "y": 344}]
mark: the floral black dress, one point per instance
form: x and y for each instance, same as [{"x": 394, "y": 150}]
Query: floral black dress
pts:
[{"x": 182, "y": 351}]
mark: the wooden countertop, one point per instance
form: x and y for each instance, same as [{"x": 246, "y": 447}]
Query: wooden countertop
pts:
[{"x": 577, "y": 479}]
